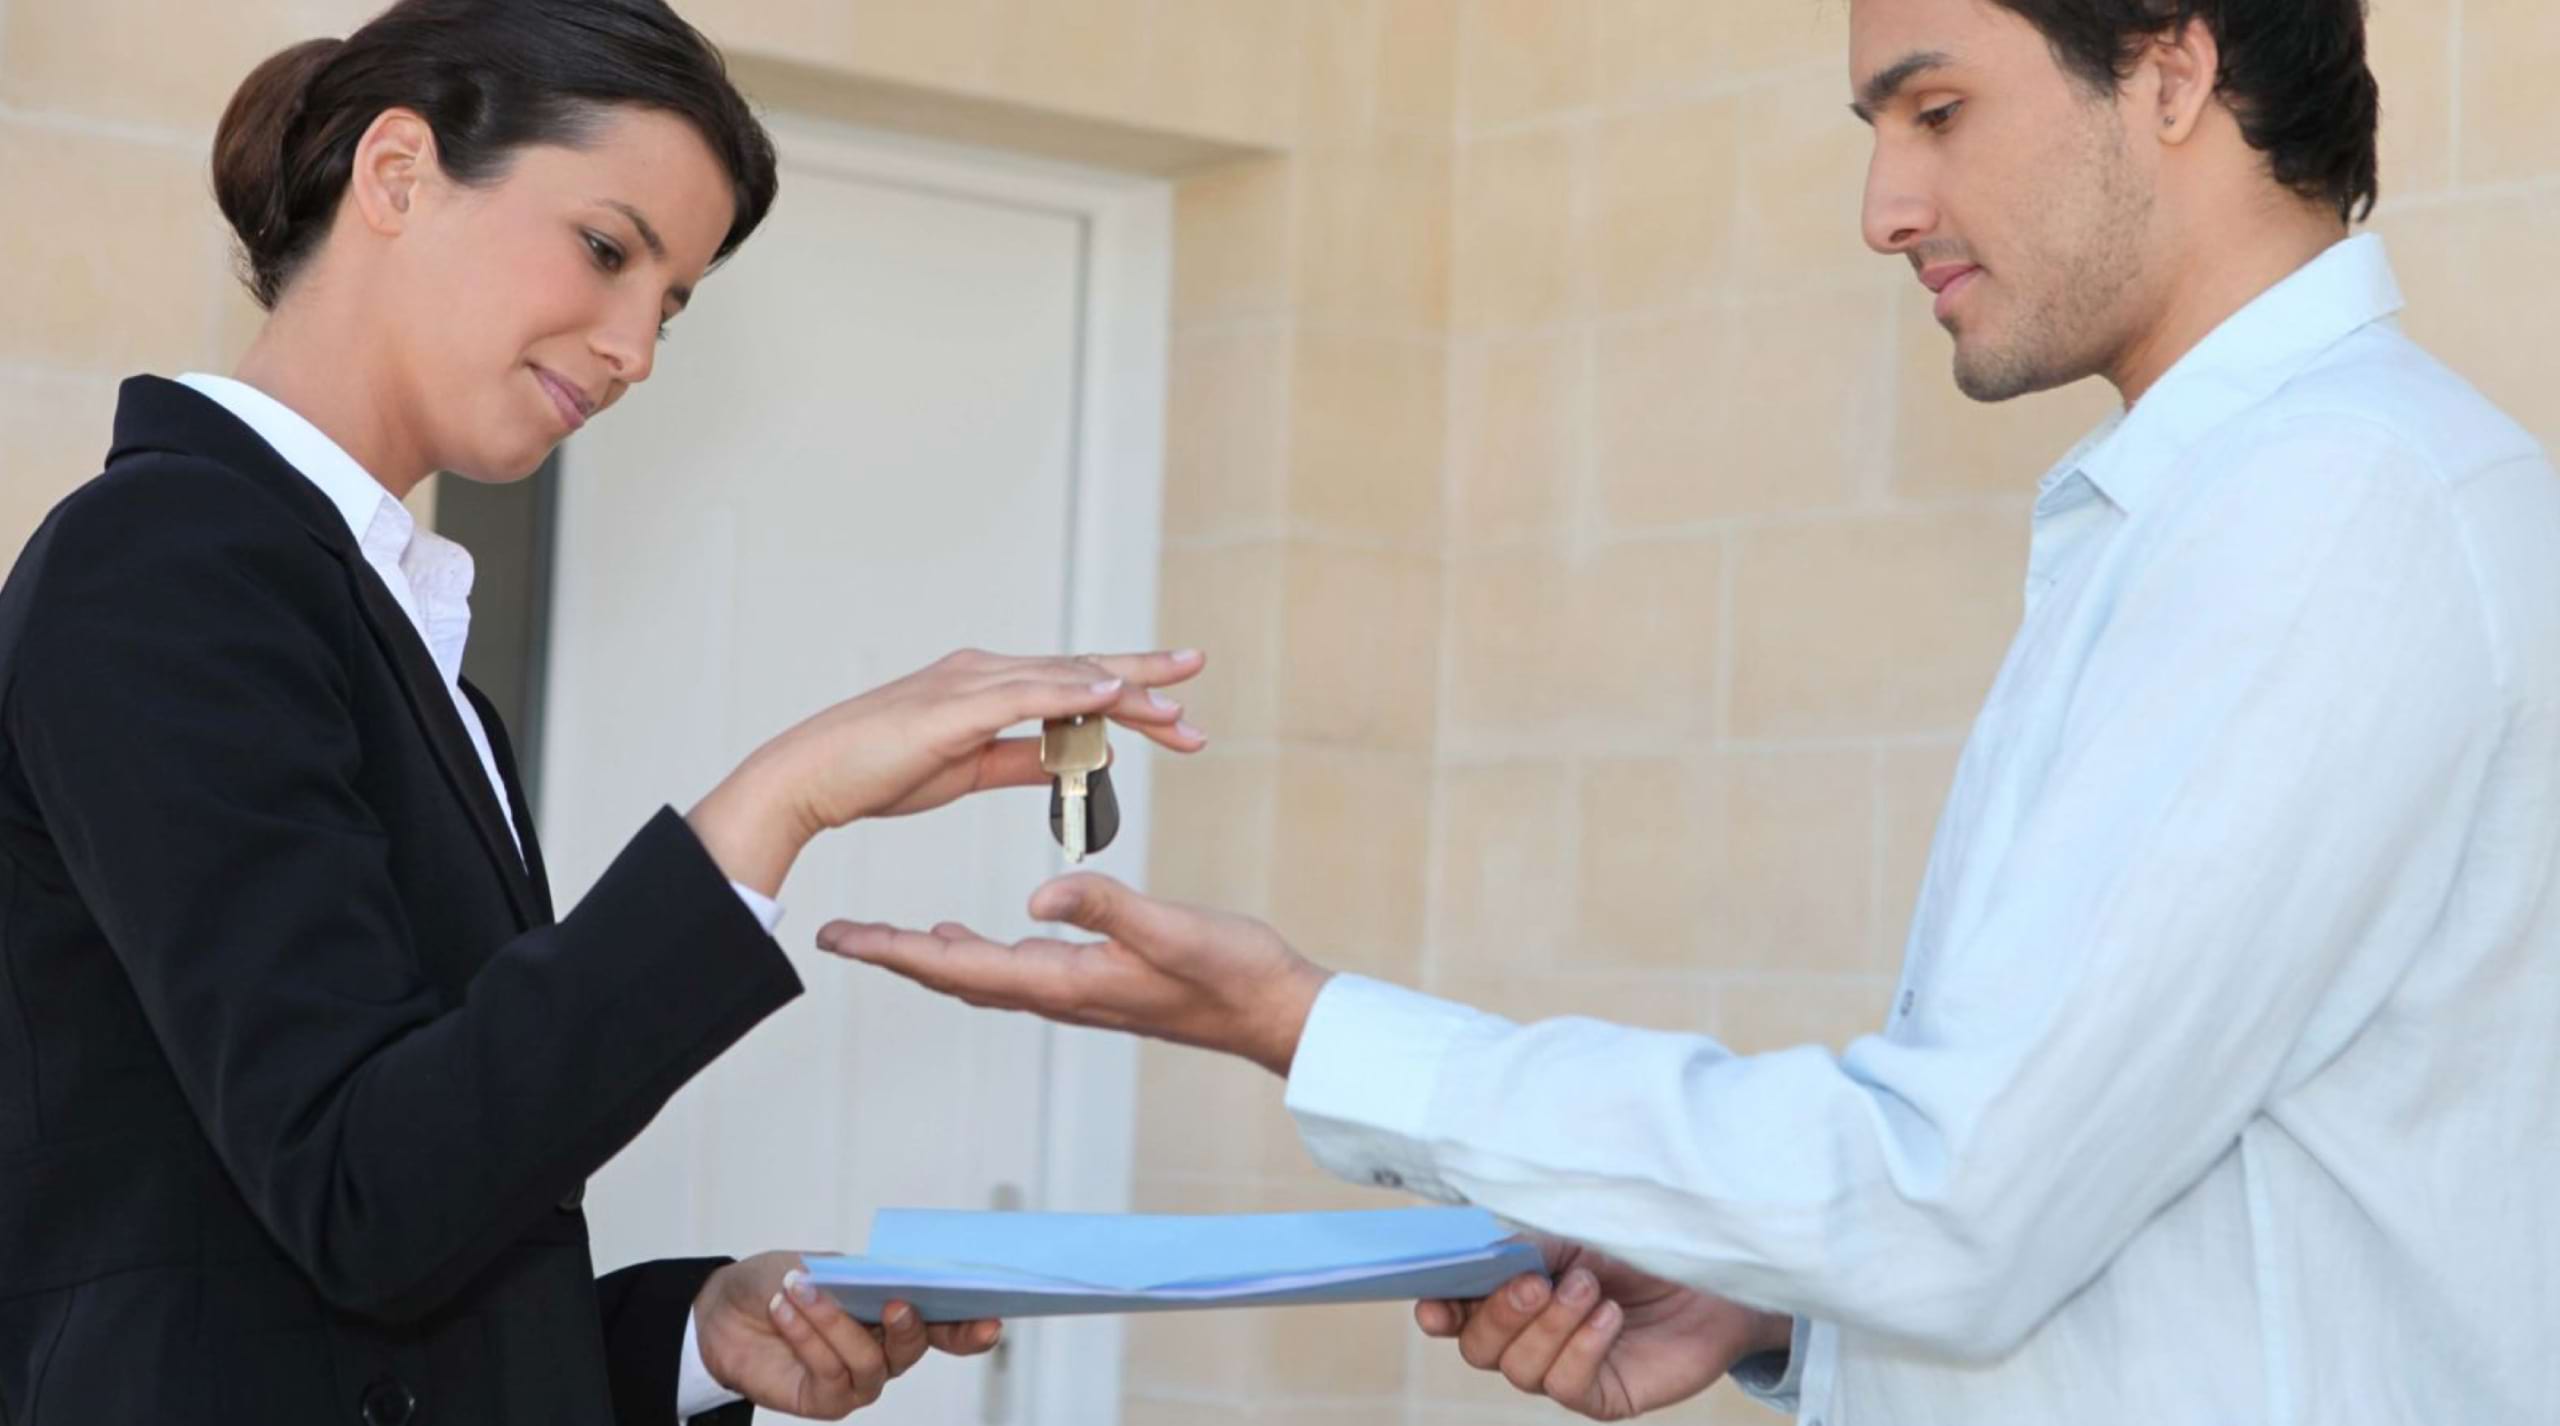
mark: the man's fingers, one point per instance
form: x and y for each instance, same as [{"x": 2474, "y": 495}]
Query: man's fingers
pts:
[
  {"x": 1533, "y": 1353},
  {"x": 1103, "y": 906},
  {"x": 1032, "y": 976},
  {"x": 1439, "y": 1319},
  {"x": 1499, "y": 1320},
  {"x": 1576, "y": 1373}
]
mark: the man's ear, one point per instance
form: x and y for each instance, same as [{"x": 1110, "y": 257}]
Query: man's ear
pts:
[
  {"x": 394, "y": 161},
  {"x": 2188, "y": 62}
]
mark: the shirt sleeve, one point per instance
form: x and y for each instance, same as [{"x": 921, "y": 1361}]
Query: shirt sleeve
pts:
[
  {"x": 2229, "y": 847},
  {"x": 697, "y": 1391},
  {"x": 1773, "y": 1379},
  {"x": 767, "y": 911}
]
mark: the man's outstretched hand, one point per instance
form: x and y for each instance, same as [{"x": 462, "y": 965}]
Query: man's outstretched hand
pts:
[{"x": 1181, "y": 973}]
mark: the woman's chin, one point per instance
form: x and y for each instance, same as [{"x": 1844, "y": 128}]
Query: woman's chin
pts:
[{"x": 504, "y": 467}]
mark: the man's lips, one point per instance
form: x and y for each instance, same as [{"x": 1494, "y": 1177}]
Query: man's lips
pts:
[
  {"x": 574, "y": 406},
  {"x": 1948, "y": 281}
]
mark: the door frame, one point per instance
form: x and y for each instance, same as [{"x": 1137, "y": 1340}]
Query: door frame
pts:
[{"x": 1116, "y": 484}]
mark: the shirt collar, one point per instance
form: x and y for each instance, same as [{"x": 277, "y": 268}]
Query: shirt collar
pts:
[
  {"x": 350, "y": 487},
  {"x": 429, "y": 577},
  {"x": 2241, "y": 363}
]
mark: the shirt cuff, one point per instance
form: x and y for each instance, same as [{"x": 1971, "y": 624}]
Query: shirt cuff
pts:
[
  {"x": 1773, "y": 1380},
  {"x": 1364, "y": 1077},
  {"x": 768, "y": 912},
  {"x": 697, "y": 1391}
]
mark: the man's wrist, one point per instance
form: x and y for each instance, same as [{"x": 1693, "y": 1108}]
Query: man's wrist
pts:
[
  {"x": 1286, "y": 1025},
  {"x": 1772, "y": 1332}
]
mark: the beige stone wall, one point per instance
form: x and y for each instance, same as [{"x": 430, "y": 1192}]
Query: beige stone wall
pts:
[{"x": 1600, "y": 567}]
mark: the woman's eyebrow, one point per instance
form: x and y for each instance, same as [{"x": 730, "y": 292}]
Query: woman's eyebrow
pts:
[{"x": 648, "y": 234}]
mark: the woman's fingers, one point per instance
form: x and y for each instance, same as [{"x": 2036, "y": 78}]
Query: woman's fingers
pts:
[
  {"x": 965, "y": 1339},
  {"x": 1152, "y": 670},
  {"x": 844, "y": 1362},
  {"x": 996, "y": 706},
  {"x": 902, "y": 1338}
]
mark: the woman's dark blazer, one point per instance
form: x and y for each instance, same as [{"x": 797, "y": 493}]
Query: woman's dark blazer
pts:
[{"x": 300, "y": 1079}]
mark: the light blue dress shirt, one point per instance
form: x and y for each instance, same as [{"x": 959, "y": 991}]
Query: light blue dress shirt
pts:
[{"x": 2220, "y": 1083}]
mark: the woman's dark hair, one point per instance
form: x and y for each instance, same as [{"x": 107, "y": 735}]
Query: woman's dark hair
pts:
[
  {"x": 490, "y": 77},
  {"x": 2294, "y": 72}
]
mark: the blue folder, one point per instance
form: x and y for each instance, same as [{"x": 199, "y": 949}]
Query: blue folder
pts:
[{"x": 955, "y": 1267}]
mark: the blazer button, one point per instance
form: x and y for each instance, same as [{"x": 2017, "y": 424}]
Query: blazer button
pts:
[
  {"x": 577, "y": 1197},
  {"x": 388, "y": 1403}
]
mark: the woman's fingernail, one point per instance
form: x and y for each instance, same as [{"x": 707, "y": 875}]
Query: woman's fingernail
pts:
[
  {"x": 1186, "y": 730},
  {"x": 1579, "y": 1286},
  {"x": 1526, "y": 1292},
  {"x": 1156, "y": 697},
  {"x": 780, "y": 1307},
  {"x": 1109, "y": 685},
  {"x": 798, "y": 1285},
  {"x": 899, "y": 1314},
  {"x": 1606, "y": 1317},
  {"x": 1186, "y": 656}
]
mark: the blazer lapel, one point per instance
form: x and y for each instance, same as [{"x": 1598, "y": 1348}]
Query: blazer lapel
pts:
[
  {"x": 422, "y": 683},
  {"x": 155, "y": 414},
  {"x": 502, "y": 746}
]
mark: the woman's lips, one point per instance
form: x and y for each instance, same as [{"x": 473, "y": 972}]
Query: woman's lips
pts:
[{"x": 564, "y": 398}]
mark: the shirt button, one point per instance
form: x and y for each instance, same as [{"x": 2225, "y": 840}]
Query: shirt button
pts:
[
  {"x": 1387, "y": 1178},
  {"x": 1907, "y": 998}
]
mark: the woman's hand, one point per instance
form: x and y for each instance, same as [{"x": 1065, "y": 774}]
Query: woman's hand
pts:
[
  {"x": 771, "y": 1337},
  {"x": 923, "y": 741}
]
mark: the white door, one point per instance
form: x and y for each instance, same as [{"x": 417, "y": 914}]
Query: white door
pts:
[{"x": 912, "y": 415}]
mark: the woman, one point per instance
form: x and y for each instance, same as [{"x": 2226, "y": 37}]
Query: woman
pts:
[{"x": 300, "y": 1079}]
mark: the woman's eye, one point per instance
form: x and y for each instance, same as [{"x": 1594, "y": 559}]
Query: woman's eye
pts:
[
  {"x": 607, "y": 256},
  {"x": 1940, "y": 117}
]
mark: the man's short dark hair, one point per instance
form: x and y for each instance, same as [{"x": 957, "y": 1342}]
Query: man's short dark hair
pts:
[{"x": 2294, "y": 72}]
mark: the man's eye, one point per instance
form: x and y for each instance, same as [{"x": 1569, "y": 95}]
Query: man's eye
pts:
[
  {"x": 1940, "y": 117},
  {"x": 607, "y": 256}
]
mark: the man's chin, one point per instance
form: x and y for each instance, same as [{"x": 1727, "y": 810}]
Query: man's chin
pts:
[{"x": 1994, "y": 377}]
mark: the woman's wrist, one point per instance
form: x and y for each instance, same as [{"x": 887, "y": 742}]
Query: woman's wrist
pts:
[{"x": 752, "y": 825}]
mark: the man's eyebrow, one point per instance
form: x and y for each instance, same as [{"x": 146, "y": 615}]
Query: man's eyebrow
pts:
[
  {"x": 1888, "y": 81},
  {"x": 657, "y": 245}
]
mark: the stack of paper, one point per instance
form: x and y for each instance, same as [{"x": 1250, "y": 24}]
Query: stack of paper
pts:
[{"x": 955, "y": 1267}]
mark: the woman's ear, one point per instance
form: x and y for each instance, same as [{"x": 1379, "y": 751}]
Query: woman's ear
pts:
[{"x": 394, "y": 161}]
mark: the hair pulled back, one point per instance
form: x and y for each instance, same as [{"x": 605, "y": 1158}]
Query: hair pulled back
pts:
[{"x": 490, "y": 77}]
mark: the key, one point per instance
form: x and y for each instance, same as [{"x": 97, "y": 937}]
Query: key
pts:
[{"x": 1075, "y": 751}]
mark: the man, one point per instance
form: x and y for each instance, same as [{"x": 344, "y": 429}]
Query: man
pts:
[{"x": 2217, "y": 1087}]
